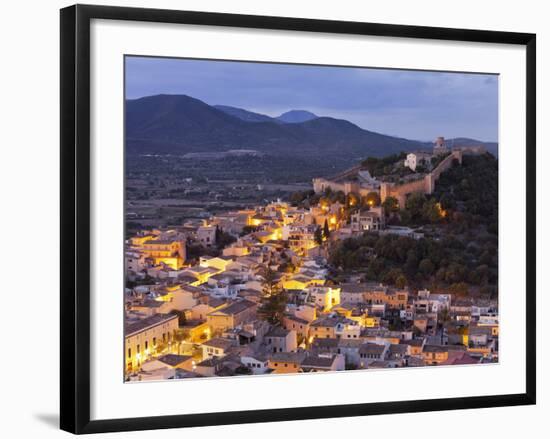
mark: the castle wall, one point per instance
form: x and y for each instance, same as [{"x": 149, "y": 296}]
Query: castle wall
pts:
[
  {"x": 425, "y": 185},
  {"x": 401, "y": 191},
  {"x": 321, "y": 184}
]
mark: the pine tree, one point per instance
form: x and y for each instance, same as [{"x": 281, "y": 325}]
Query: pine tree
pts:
[
  {"x": 326, "y": 230},
  {"x": 273, "y": 303},
  {"x": 318, "y": 235}
]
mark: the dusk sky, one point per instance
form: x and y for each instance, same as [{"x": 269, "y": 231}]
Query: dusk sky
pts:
[{"x": 410, "y": 104}]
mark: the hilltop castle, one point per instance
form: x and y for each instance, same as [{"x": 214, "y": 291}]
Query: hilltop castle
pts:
[{"x": 359, "y": 181}]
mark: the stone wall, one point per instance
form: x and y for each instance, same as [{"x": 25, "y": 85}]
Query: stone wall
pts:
[
  {"x": 401, "y": 191},
  {"x": 425, "y": 185}
]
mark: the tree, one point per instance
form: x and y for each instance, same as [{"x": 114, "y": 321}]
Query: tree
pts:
[
  {"x": 273, "y": 302},
  {"x": 179, "y": 338},
  {"x": 411, "y": 265},
  {"x": 181, "y": 316},
  {"x": 352, "y": 200},
  {"x": 459, "y": 288},
  {"x": 372, "y": 199},
  {"x": 401, "y": 281},
  {"x": 426, "y": 266},
  {"x": 414, "y": 205},
  {"x": 443, "y": 316},
  {"x": 223, "y": 239},
  {"x": 318, "y": 236},
  {"x": 431, "y": 211},
  {"x": 390, "y": 205},
  {"x": 287, "y": 267},
  {"x": 326, "y": 230},
  {"x": 248, "y": 229}
]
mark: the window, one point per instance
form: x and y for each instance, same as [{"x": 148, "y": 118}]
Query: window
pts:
[
  {"x": 129, "y": 352},
  {"x": 146, "y": 345},
  {"x": 154, "y": 341},
  {"x": 138, "y": 349}
]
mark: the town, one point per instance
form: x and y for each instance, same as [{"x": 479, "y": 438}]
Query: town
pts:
[{"x": 274, "y": 288}]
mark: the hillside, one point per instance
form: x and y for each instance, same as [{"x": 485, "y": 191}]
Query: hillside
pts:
[{"x": 247, "y": 116}]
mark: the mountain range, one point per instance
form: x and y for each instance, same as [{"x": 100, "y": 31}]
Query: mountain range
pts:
[{"x": 179, "y": 124}]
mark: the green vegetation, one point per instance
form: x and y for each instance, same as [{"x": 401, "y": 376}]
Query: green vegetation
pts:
[
  {"x": 249, "y": 229},
  {"x": 400, "y": 261},
  {"x": 383, "y": 165},
  {"x": 459, "y": 252},
  {"x": 470, "y": 193},
  {"x": 318, "y": 235},
  {"x": 223, "y": 239},
  {"x": 274, "y": 298},
  {"x": 326, "y": 230},
  {"x": 372, "y": 199},
  {"x": 181, "y": 316}
]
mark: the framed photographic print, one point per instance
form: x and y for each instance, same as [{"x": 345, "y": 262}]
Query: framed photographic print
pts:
[{"x": 257, "y": 207}]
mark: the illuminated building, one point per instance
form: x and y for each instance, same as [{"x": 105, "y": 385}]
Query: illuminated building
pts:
[{"x": 143, "y": 338}]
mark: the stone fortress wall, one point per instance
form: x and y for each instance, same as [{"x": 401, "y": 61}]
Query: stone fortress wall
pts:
[{"x": 425, "y": 185}]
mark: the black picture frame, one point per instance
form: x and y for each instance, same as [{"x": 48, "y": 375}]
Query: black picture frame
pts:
[{"x": 75, "y": 217}]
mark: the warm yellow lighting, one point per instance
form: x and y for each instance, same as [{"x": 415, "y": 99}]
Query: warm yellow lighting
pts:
[
  {"x": 255, "y": 222},
  {"x": 333, "y": 220}
]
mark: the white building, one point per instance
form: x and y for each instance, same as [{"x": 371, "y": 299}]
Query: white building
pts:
[
  {"x": 415, "y": 159},
  {"x": 135, "y": 261},
  {"x": 410, "y": 161},
  {"x": 256, "y": 363},
  {"x": 206, "y": 235},
  {"x": 324, "y": 297}
]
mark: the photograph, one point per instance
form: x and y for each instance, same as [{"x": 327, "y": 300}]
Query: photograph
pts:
[{"x": 292, "y": 218}]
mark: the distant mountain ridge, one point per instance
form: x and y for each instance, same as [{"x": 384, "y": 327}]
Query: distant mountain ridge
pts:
[
  {"x": 297, "y": 116},
  {"x": 247, "y": 116},
  {"x": 181, "y": 124}
]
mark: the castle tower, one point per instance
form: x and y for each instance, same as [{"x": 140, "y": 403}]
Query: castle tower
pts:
[{"x": 439, "y": 146}]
